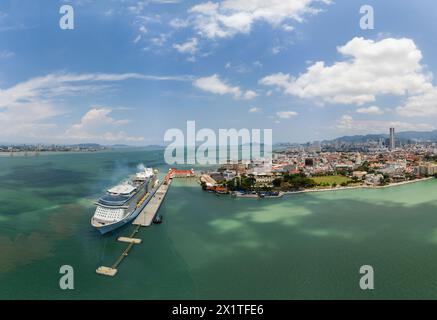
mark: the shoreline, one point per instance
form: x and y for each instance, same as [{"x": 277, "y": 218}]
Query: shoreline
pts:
[
  {"x": 397, "y": 184},
  {"x": 289, "y": 193}
]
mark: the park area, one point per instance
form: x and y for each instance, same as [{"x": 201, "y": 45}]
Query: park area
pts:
[{"x": 330, "y": 180}]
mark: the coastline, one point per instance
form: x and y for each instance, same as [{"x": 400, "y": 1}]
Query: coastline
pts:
[
  {"x": 34, "y": 154},
  {"x": 397, "y": 184}
]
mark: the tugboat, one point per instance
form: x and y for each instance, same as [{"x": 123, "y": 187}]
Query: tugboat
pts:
[{"x": 158, "y": 219}]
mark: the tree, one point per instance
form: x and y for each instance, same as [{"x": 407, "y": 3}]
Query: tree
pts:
[
  {"x": 277, "y": 182},
  {"x": 297, "y": 181},
  {"x": 247, "y": 183}
]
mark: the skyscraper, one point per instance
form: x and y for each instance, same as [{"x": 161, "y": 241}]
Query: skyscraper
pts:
[{"x": 392, "y": 142}]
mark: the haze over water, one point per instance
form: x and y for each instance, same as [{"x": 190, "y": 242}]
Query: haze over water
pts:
[{"x": 210, "y": 247}]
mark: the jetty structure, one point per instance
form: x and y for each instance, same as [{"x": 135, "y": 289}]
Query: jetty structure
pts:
[{"x": 146, "y": 217}]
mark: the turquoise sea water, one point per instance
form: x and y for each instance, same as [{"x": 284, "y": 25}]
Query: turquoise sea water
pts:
[{"x": 210, "y": 247}]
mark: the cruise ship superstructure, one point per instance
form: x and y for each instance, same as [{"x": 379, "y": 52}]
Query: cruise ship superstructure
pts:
[{"x": 122, "y": 203}]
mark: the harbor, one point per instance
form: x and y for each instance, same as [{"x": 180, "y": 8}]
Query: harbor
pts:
[
  {"x": 188, "y": 256},
  {"x": 145, "y": 218}
]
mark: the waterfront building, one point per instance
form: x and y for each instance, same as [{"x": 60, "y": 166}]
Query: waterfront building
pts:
[
  {"x": 229, "y": 175},
  {"x": 428, "y": 169},
  {"x": 359, "y": 174},
  {"x": 374, "y": 179}
]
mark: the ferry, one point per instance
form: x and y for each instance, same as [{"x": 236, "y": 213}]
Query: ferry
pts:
[{"x": 123, "y": 203}]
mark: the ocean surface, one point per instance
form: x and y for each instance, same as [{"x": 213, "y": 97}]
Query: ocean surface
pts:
[{"x": 306, "y": 246}]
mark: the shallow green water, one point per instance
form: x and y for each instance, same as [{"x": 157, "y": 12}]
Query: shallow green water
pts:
[{"x": 302, "y": 246}]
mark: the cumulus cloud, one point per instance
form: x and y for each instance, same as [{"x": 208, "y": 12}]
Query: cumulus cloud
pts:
[
  {"x": 98, "y": 125},
  {"x": 352, "y": 126},
  {"x": 250, "y": 94},
  {"x": 370, "y": 110},
  {"x": 229, "y": 17},
  {"x": 215, "y": 85},
  {"x": 255, "y": 110},
  {"x": 371, "y": 68},
  {"x": 28, "y": 109},
  {"x": 423, "y": 105},
  {"x": 188, "y": 47}
]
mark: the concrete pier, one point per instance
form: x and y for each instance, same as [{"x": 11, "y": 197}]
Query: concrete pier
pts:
[
  {"x": 130, "y": 240},
  {"x": 106, "y": 271},
  {"x": 112, "y": 271},
  {"x": 145, "y": 218}
]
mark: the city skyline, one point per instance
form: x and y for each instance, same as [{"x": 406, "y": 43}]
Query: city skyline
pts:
[{"x": 130, "y": 70}]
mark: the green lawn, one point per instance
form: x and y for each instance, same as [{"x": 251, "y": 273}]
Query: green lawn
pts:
[{"x": 331, "y": 179}]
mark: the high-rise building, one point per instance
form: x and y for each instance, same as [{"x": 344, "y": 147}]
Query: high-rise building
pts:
[
  {"x": 381, "y": 143},
  {"x": 392, "y": 141}
]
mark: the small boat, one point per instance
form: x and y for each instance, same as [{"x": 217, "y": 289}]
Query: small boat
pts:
[{"x": 158, "y": 219}]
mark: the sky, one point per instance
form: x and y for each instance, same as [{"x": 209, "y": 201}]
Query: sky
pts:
[{"x": 130, "y": 70}]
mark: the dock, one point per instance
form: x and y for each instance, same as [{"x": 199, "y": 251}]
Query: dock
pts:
[
  {"x": 208, "y": 180},
  {"x": 146, "y": 217},
  {"x": 130, "y": 240},
  {"x": 112, "y": 270}
]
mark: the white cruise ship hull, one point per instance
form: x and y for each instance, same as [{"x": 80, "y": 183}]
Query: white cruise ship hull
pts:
[
  {"x": 113, "y": 226},
  {"x": 106, "y": 228},
  {"x": 123, "y": 203}
]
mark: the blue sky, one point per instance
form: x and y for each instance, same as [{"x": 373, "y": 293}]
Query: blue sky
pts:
[{"x": 132, "y": 69}]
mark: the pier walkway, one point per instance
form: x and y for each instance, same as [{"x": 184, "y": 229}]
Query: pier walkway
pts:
[{"x": 145, "y": 218}]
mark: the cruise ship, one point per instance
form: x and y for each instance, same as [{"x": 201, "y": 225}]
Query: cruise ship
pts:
[{"x": 122, "y": 203}]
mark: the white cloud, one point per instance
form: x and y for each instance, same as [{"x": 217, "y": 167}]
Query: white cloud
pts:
[
  {"x": 179, "y": 23},
  {"x": 423, "y": 105},
  {"x": 160, "y": 40},
  {"x": 255, "y": 110},
  {"x": 276, "y": 50},
  {"x": 188, "y": 47},
  {"x": 373, "y": 68},
  {"x": 214, "y": 85},
  {"x": 229, "y": 17},
  {"x": 55, "y": 85},
  {"x": 28, "y": 120},
  {"x": 287, "y": 27},
  {"x": 250, "y": 94},
  {"x": 370, "y": 110},
  {"x": 286, "y": 114},
  {"x": 28, "y": 109},
  {"x": 98, "y": 125},
  {"x": 351, "y": 126},
  {"x": 137, "y": 39}
]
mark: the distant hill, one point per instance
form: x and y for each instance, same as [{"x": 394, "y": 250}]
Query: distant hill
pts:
[
  {"x": 419, "y": 136},
  {"x": 125, "y": 146},
  {"x": 86, "y": 145}
]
